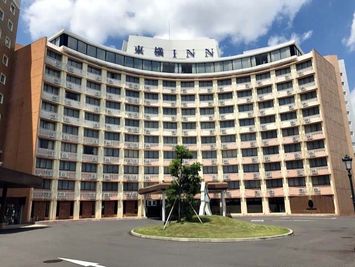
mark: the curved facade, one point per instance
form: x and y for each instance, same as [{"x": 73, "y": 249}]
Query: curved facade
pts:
[{"x": 103, "y": 128}]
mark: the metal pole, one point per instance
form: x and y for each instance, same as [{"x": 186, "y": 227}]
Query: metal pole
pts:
[
  {"x": 351, "y": 188},
  {"x": 167, "y": 220}
]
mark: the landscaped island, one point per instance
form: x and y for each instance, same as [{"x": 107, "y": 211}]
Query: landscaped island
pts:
[{"x": 214, "y": 227}]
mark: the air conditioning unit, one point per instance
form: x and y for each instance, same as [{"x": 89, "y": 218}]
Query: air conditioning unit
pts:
[
  {"x": 147, "y": 145},
  {"x": 209, "y": 90},
  {"x": 247, "y": 85},
  {"x": 56, "y": 81},
  {"x": 98, "y": 79},
  {"x": 184, "y": 118},
  {"x": 63, "y": 174},
  {"x": 303, "y": 88},
  {"x": 107, "y": 160},
  {"x": 289, "y": 92},
  {"x": 291, "y": 107},
  {"x": 211, "y": 131},
  {"x": 224, "y": 131},
  {"x": 210, "y": 118},
  {"x": 173, "y": 132},
  {"x": 262, "y": 112},
  {"x": 96, "y": 125},
  {"x": 53, "y": 116},
  {"x": 173, "y": 104},
  {"x": 316, "y": 190},
  {"x": 66, "y": 120},
  {"x": 267, "y": 159},
  {"x": 307, "y": 120},
  {"x": 221, "y": 89},
  {"x": 261, "y": 97},
  {"x": 271, "y": 192},
  {"x": 70, "y": 69},
  {"x": 257, "y": 193},
  {"x": 147, "y": 131},
  {"x": 109, "y": 81},
  {"x": 225, "y": 161},
  {"x": 210, "y": 104},
  {"x": 300, "y": 73},
  {"x": 109, "y": 97},
  {"x": 97, "y": 94},
  {"x": 64, "y": 155},
  {"x": 223, "y": 117},
  {"x": 221, "y": 103},
  {"x": 248, "y": 99},
  {"x": 301, "y": 190}
]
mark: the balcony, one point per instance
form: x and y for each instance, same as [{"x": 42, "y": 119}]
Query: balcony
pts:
[
  {"x": 243, "y": 86},
  {"x": 307, "y": 87},
  {"x": 151, "y": 178},
  {"x": 320, "y": 171},
  {"x": 113, "y": 112},
  {"x": 245, "y": 100},
  {"x": 230, "y": 161},
  {"x": 87, "y": 195},
  {"x": 111, "y": 143},
  {"x": 110, "y": 177},
  {"x": 248, "y": 160},
  {"x": 110, "y": 196},
  {"x": 151, "y": 88},
  {"x": 289, "y": 123},
  {"x": 131, "y": 129},
  {"x": 112, "y": 160},
  {"x": 47, "y": 153},
  {"x": 93, "y": 92},
  {"x": 251, "y": 193},
  {"x": 131, "y": 161},
  {"x": 151, "y": 162},
  {"x": 74, "y": 70},
  {"x": 287, "y": 92},
  {"x": 284, "y": 78},
  {"x": 41, "y": 194},
  {"x": 90, "y": 141},
  {"x": 305, "y": 72},
  {"x": 115, "y": 82},
  {"x": 68, "y": 156},
  {"x": 270, "y": 142},
  {"x": 53, "y": 62},
  {"x": 317, "y": 153},
  {"x": 113, "y": 97},
  {"x": 67, "y": 174},
  {"x": 93, "y": 76},
  {"x": 53, "y": 80},
  {"x": 273, "y": 174},
  {"x": 210, "y": 177},
  {"x": 134, "y": 86},
  {"x": 65, "y": 195},
  {"x": 291, "y": 139},
  {"x": 206, "y": 90},
  {"x": 233, "y": 193},
  {"x": 90, "y": 158},
  {"x": 132, "y": 115},
  {"x": 315, "y": 136},
  {"x": 286, "y": 108},
  {"x": 225, "y": 88},
  {"x": 88, "y": 176},
  {"x": 251, "y": 175},
  {"x": 293, "y": 155},
  {"x": 73, "y": 86},
  {"x": 44, "y": 172},
  {"x": 130, "y": 195},
  {"x": 297, "y": 191},
  {"x": 49, "y": 115},
  {"x": 92, "y": 124},
  {"x": 295, "y": 173},
  {"x": 323, "y": 190},
  {"x": 275, "y": 192},
  {"x": 71, "y": 120},
  {"x": 312, "y": 119},
  {"x": 70, "y": 137},
  {"x": 132, "y": 100},
  {"x": 72, "y": 103},
  {"x": 47, "y": 133},
  {"x": 310, "y": 103},
  {"x": 50, "y": 97},
  {"x": 247, "y": 144},
  {"x": 92, "y": 108},
  {"x": 112, "y": 127}
]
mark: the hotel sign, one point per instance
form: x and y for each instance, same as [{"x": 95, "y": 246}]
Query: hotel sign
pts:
[{"x": 188, "y": 53}]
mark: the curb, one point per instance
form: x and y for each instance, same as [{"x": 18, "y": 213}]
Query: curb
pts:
[{"x": 211, "y": 240}]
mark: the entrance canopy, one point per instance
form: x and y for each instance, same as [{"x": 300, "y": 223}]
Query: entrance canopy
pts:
[{"x": 14, "y": 179}]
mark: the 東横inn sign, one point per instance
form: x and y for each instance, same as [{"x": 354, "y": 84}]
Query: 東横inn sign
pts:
[{"x": 174, "y": 53}]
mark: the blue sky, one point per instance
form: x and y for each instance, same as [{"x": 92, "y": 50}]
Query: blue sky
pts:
[{"x": 324, "y": 25}]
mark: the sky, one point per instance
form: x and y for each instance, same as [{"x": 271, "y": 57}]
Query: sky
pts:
[{"x": 325, "y": 25}]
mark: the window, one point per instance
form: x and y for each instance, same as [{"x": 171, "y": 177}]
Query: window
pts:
[
  {"x": 286, "y": 100},
  {"x": 244, "y": 93},
  {"x": 205, "y": 83},
  {"x": 112, "y": 136},
  {"x": 109, "y": 187},
  {"x": 132, "y": 79},
  {"x": 52, "y": 72},
  {"x": 7, "y": 42},
  {"x": 252, "y": 184},
  {"x": 317, "y": 162},
  {"x": 230, "y": 169},
  {"x": 113, "y": 75},
  {"x": 92, "y": 117},
  {"x": 289, "y": 148},
  {"x": 227, "y": 124},
  {"x": 290, "y": 131},
  {"x": 88, "y": 186},
  {"x": 75, "y": 64},
  {"x": 245, "y": 79},
  {"x": 89, "y": 167},
  {"x": 209, "y": 154},
  {"x": 284, "y": 86},
  {"x": 112, "y": 169},
  {"x": 232, "y": 153},
  {"x": 247, "y": 168},
  {"x": 46, "y": 106},
  {"x": 67, "y": 166},
  {"x": 44, "y": 163},
  {"x": 169, "y": 84},
  {"x": 151, "y": 124},
  {"x": 206, "y": 97},
  {"x": 315, "y": 144},
  {"x": 47, "y": 125},
  {"x": 90, "y": 150},
  {"x": 45, "y": 144},
  {"x": 226, "y": 110},
  {"x": 188, "y": 125},
  {"x": 264, "y": 90},
  {"x": 51, "y": 89},
  {"x": 208, "y": 140},
  {"x": 69, "y": 147},
  {"x": 112, "y": 120},
  {"x": 169, "y": 154},
  {"x": 288, "y": 116},
  {"x": 262, "y": 76},
  {"x": 132, "y": 108},
  {"x": 309, "y": 95},
  {"x": 304, "y": 65},
  {"x": 91, "y": 133},
  {"x": 130, "y": 187},
  {"x": 150, "y": 82},
  {"x": 248, "y": 137},
  {"x": 113, "y": 105},
  {"x": 283, "y": 71},
  {"x": 74, "y": 80},
  {"x": 207, "y": 125},
  {"x": 206, "y": 111},
  {"x": 266, "y": 104},
  {"x": 1, "y": 98},
  {"x": 93, "y": 85},
  {"x": 228, "y": 138},
  {"x": 111, "y": 152},
  {"x": 133, "y": 94},
  {"x": 315, "y": 127},
  {"x": 168, "y": 97},
  {"x": 169, "y": 111},
  {"x": 46, "y": 184},
  {"x": 210, "y": 170},
  {"x": 306, "y": 80},
  {"x": 92, "y": 101},
  {"x": 131, "y": 123},
  {"x": 249, "y": 152},
  {"x": 270, "y": 150},
  {"x": 66, "y": 185},
  {"x": 225, "y": 96},
  {"x": 294, "y": 164},
  {"x": 3, "y": 78},
  {"x": 151, "y": 139},
  {"x": 233, "y": 185},
  {"x": 131, "y": 138},
  {"x": 130, "y": 169},
  {"x": 310, "y": 111},
  {"x": 94, "y": 70},
  {"x": 246, "y": 122},
  {"x": 169, "y": 125},
  {"x": 273, "y": 166},
  {"x": 69, "y": 129},
  {"x": 296, "y": 182},
  {"x": 151, "y": 154},
  {"x": 170, "y": 140},
  {"x": 113, "y": 90},
  {"x": 151, "y": 170},
  {"x": 320, "y": 180},
  {"x": 131, "y": 154},
  {"x": 188, "y": 111},
  {"x": 274, "y": 183},
  {"x": 267, "y": 119},
  {"x": 5, "y": 60},
  {"x": 245, "y": 107}
]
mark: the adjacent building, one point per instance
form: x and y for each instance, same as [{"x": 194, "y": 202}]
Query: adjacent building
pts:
[{"x": 99, "y": 123}]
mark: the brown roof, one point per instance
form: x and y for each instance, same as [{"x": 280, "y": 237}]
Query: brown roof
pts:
[{"x": 16, "y": 179}]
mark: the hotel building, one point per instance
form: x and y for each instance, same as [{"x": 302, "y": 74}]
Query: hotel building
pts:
[{"x": 99, "y": 123}]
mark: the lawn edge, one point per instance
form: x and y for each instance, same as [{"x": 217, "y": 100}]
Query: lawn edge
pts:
[{"x": 212, "y": 240}]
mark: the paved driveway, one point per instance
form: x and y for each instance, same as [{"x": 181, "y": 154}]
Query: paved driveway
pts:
[{"x": 318, "y": 241}]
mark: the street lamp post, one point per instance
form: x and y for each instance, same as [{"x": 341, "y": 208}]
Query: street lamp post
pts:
[{"x": 348, "y": 165}]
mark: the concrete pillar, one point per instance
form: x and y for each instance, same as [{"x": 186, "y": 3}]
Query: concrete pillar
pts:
[
  {"x": 98, "y": 209},
  {"x": 140, "y": 208},
  {"x": 53, "y": 210},
  {"x": 287, "y": 205},
  {"x": 163, "y": 206},
  {"x": 223, "y": 203},
  {"x": 243, "y": 206},
  {"x": 265, "y": 204},
  {"x": 3, "y": 205},
  {"x": 120, "y": 208},
  {"x": 76, "y": 210},
  {"x": 144, "y": 206}
]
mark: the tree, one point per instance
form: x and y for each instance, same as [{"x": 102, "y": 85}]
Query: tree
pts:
[{"x": 185, "y": 186}]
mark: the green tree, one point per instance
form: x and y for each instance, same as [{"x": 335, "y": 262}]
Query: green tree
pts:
[{"x": 185, "y": 186}]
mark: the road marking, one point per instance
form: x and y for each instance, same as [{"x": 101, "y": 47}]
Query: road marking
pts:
[
  {"x": 261, "y": 220},
  {"x": 82, "y": 263},
  {"x": 298, "y": 220}
]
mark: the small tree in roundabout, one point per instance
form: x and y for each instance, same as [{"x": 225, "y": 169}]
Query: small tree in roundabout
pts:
[{"x": 184, "y": 187}]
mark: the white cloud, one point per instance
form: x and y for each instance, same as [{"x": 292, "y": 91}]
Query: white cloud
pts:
[
  {"x": 277, "y": 39},
  {"x": 350, "y": 41},
  {"x": 240, "y": 21}
]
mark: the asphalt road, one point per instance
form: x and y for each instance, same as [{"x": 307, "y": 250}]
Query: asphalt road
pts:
[{"x": 318, "y": 241}]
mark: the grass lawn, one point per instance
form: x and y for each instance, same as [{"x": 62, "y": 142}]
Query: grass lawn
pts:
[{"x": 213, "y": 227}]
